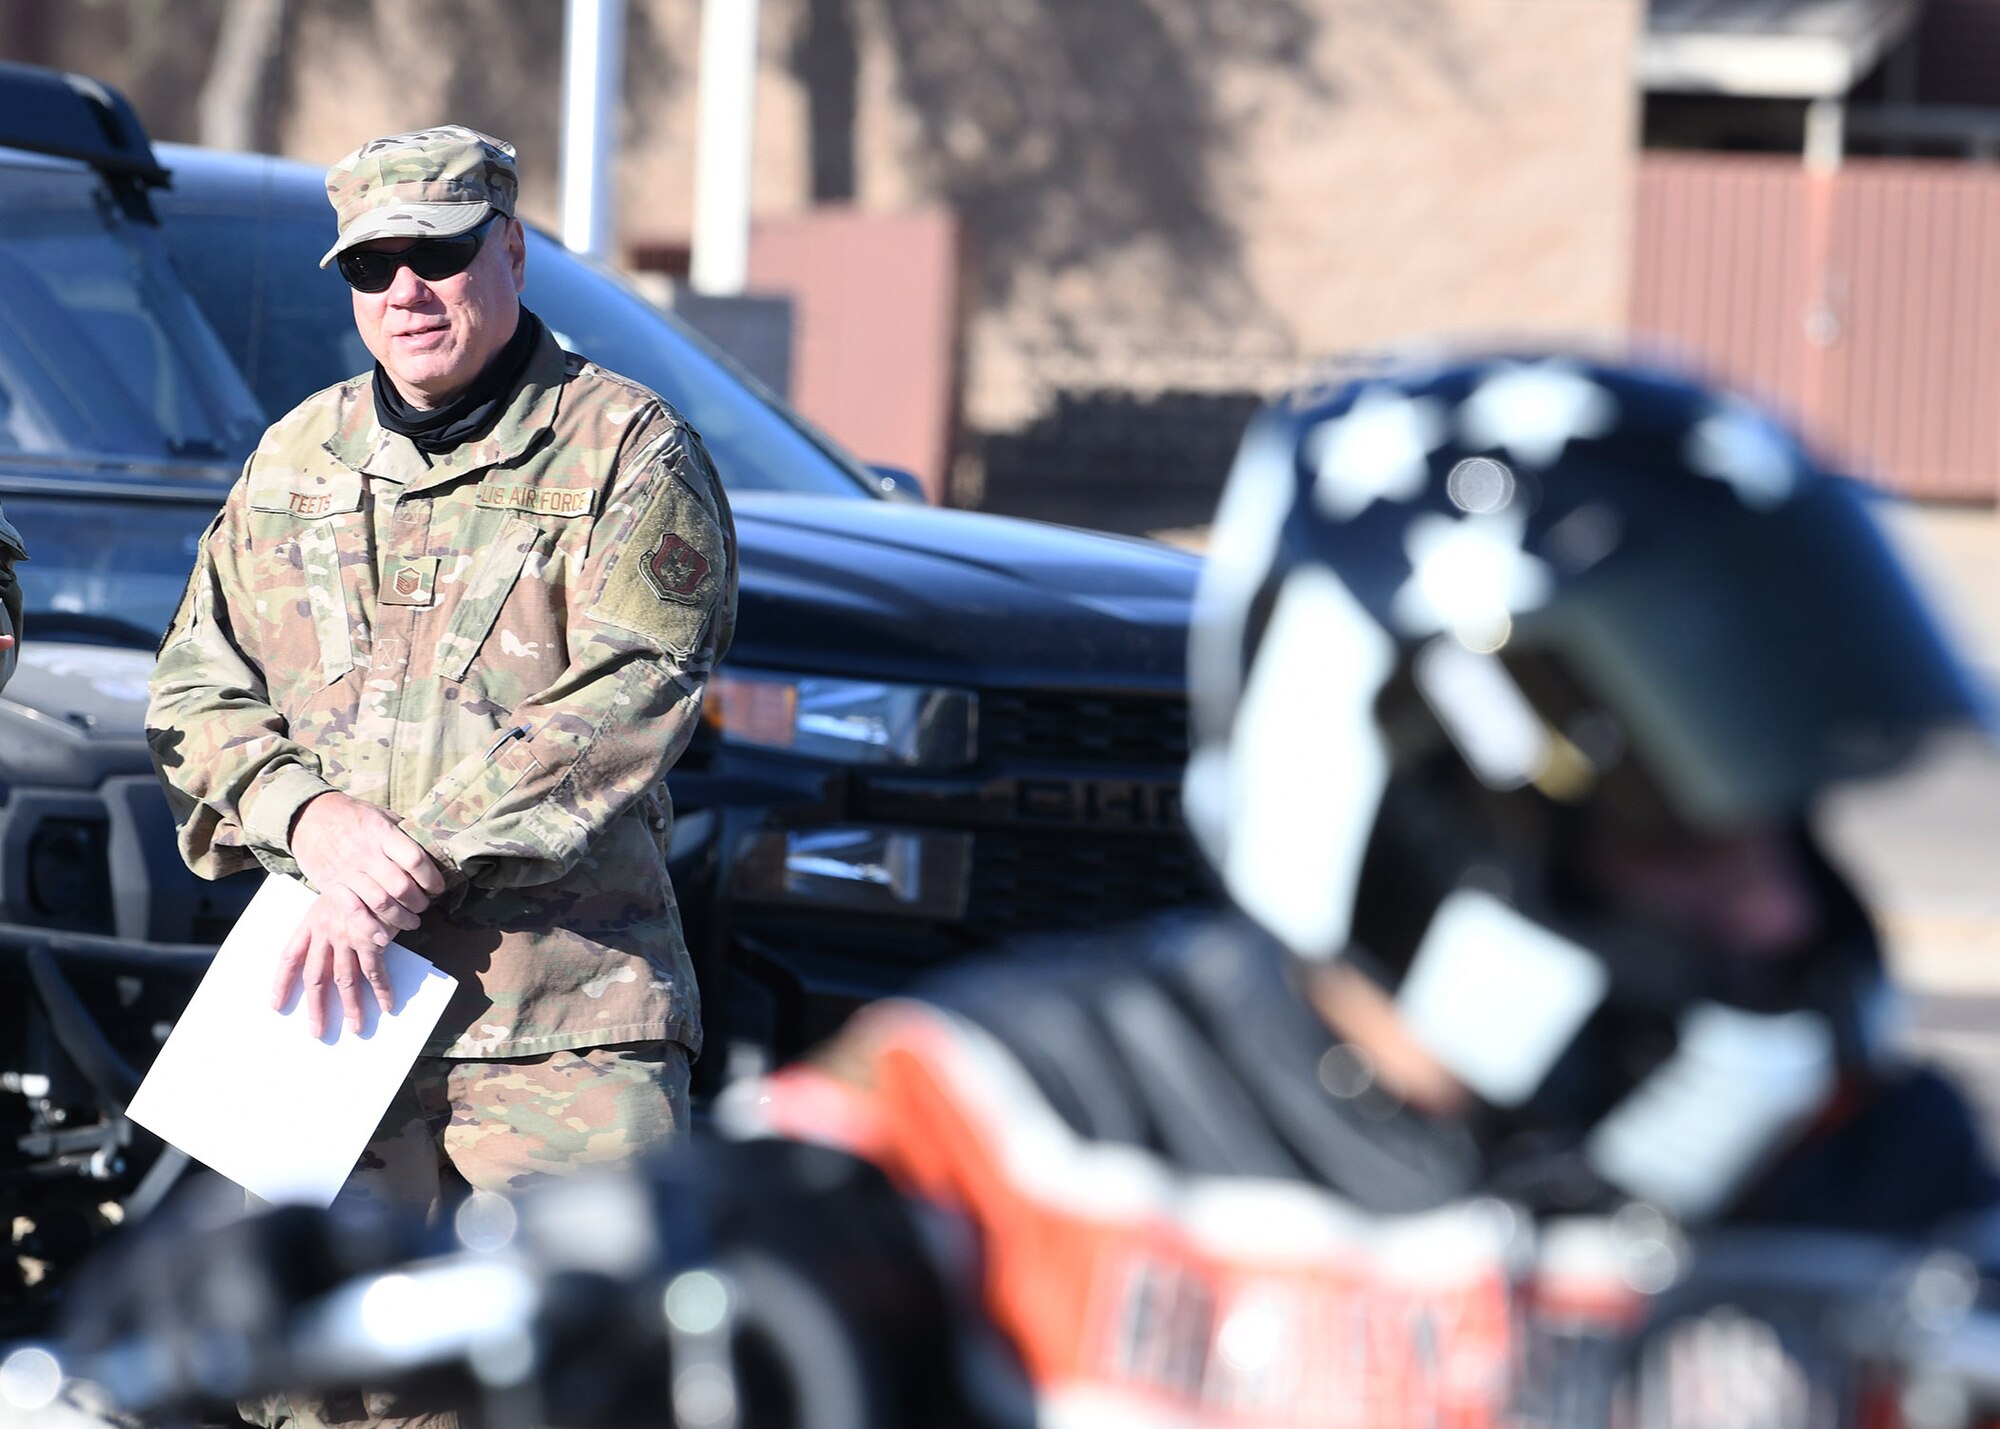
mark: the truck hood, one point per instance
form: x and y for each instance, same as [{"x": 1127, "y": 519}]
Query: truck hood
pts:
[
  {"x": 828, "y": 586},
  {"x": 74, "y": 715},
  {"x": 916, "y": 592}
]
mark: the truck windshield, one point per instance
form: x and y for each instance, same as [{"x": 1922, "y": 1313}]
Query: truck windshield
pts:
[
  {"x": 101, "y": 352},
  {"x": 758, "y": 444},
  {"x": 247, "y": 234}
]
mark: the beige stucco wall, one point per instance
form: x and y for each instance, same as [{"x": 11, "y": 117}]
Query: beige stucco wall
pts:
[
  {"x": 1158, "y": 193},
  {"x": 1348, "y": 174},
  {"x": 1475, "y": 172}
]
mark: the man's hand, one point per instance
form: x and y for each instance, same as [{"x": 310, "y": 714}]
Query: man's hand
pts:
[
  {"x": 374, "y": 881},
  {"x": 329, "y": 947},
  {"x": 342, "y": 842}
]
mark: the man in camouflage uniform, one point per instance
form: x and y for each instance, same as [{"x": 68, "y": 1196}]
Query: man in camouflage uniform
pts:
[
  {"x": 440, "y": 648},
  {"x": 11, "y": 550}
]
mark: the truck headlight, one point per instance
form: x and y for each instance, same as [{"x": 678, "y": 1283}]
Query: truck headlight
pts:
[
  {"x": 846, "y": 721},
  {"x": 916, "y": 873}
]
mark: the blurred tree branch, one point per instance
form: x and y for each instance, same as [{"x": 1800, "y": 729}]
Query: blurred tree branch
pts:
[{"x": 235, "y": 98}]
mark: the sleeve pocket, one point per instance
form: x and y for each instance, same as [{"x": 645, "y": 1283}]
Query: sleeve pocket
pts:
[{"x": 474, "y": 787}]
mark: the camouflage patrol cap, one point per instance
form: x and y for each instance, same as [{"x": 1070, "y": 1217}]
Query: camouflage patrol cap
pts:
[{"x": 429, "y": 183}]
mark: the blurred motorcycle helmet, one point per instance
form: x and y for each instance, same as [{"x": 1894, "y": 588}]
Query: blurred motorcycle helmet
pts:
[{"x": 1463, "y": 624}]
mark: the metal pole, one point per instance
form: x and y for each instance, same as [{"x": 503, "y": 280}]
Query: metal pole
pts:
[
  {"x": 593, "y": 71},
  {"x": 725, "y": 127},
  {"x": 1826, "y": 134}
]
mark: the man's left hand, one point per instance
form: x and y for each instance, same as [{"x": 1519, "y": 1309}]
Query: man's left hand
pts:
[{"x": 339, "y": 941}]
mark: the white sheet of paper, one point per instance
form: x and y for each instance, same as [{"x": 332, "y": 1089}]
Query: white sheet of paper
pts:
[{"x": 250, "y": 1092}]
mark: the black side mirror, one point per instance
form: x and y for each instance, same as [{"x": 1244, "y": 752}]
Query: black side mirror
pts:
[{"x": 898, "y": 485}]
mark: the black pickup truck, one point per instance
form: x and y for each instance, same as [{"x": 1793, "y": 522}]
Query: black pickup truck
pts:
[{"x": 936, "y": 729}]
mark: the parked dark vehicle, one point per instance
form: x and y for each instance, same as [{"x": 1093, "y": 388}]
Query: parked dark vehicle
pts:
[
  {"x": 936, "y": 729},
  {"x": 922, "y": 708}
]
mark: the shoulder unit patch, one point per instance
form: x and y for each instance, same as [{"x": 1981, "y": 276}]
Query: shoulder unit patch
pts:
[{"x": 674, "y": 568}]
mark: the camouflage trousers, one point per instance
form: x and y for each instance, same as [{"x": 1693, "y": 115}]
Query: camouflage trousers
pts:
[{"x": 501, "y": 1127}]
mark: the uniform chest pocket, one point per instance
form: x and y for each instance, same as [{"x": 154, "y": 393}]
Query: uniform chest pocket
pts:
[
  {"x": 312, "y": 520},
  {"x": 486, "y": 588}
]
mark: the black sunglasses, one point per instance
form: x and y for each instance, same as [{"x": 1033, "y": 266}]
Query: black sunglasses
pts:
[{"x": 431, "y": 259}]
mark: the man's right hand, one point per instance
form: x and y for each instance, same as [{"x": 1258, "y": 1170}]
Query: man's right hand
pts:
[
  {"x": 341, "y": 842},
  {"x": 374, "y": 881}
]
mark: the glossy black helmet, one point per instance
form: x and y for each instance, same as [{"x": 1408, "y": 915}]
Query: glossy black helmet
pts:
[{"x": 1458, "y": 618}]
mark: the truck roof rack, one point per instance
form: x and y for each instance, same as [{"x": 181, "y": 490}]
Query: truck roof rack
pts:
[{"x": 71, "y": 116}]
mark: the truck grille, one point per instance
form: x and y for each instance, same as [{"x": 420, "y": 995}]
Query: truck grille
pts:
[
  {"x": 1120, "y": 729},
  {"x": 1036, "y": 882}
]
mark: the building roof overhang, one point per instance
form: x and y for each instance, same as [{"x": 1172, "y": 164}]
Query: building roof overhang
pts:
[{"x": 1773, "y": 49}]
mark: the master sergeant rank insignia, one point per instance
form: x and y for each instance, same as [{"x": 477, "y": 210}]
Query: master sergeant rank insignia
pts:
[
  {"x": 675, "y": 569},
  {"x": 411, "y": 582}
]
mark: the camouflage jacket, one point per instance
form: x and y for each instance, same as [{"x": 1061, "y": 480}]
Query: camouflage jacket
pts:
[
  {"x": 506, "y": 648},
  {"x": 11, "y": 550}
]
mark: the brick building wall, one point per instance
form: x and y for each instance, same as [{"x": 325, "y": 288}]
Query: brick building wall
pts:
[
  {"x": 1159, "y": 197},
  {"x": 1217, "y": 197}
]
